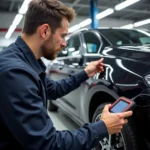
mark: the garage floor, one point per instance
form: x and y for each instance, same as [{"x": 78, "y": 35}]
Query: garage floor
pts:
[{"x": 61, "y": 121}]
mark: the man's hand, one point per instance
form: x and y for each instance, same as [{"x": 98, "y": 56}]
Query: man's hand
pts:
[
  {"x": 114, "y": 121},
  {"x": 94, "y": 67}
]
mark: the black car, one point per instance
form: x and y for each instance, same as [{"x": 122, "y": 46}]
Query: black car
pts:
[{"x": 126, "y": 56}]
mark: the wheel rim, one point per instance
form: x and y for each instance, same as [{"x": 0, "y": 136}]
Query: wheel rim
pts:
[{"x": 112, "y": 142}]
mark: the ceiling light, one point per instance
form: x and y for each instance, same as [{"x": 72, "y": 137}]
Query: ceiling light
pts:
[
  {"x": 141, "y": 23},
  {"x": 85, "y": 22},
  {"x": 10, "y": 31},
  {"x": 24, "y": 7},
  {"x": 7, "y": 36},
  {"x": 104, "y": 13},
  {"x": 12, "y": 28},
  {"x": 129, "y": 26},
  {"x": 17, "y": 19},
  {"x": 74, "y": 28},
  {"x": 125, "y": 4}
]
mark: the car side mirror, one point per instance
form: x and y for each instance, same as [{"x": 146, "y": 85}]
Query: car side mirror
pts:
[
  {"x": 63, "y": 53},
  {"x": 72, "y": 49}
]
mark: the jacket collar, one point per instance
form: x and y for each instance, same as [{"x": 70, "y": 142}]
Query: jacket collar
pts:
[{"x": 37, "y": 65}]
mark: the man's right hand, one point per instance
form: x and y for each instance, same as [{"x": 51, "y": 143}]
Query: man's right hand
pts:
[{"x": 114, "y": 121}]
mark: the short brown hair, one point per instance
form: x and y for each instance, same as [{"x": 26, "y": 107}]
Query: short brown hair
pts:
[{"x": 46, "y": 11}]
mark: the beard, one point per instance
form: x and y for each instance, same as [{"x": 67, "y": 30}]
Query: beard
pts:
[{"x": 49, "y": 49}]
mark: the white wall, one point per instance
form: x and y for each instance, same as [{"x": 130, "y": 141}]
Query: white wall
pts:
[
  {"x": 5, "y": 42},
  {"x": 6, "y": 21},
  {"x": 7, "y": 18}
]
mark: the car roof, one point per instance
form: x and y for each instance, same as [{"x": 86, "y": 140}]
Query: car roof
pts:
[{"x": 102, "y": 28}]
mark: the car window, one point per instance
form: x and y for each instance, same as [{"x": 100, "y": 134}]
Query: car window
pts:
[
  {"x": 145, "y": 40},
  {"x": 73, "y": 45},
  {"x": 119, "y": 37},
  {"x": 72, "y": 48},
  {"x": 92, "y": 42}
]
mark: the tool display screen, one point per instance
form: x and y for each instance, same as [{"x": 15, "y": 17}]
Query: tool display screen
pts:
[{"x": 119, "y": 107}]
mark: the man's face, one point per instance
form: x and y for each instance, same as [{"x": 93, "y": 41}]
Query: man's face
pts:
[{"x": 56, "y": 42}]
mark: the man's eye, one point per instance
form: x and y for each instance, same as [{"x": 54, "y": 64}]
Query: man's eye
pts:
[{"x": 63, "y": 36}]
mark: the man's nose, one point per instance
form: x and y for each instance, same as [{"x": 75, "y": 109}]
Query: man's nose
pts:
[{"x": 64, "y": 44}]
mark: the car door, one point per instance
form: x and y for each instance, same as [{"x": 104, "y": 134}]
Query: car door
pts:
[
  {"x": 73, "y": 65},
  {"x": 66, "y": 65}
]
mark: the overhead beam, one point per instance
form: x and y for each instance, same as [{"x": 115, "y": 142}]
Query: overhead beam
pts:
[
  {"x": 11, "y": 6},
  {"x": 128, "y": 16},
  {"x": 75, "y": 3},
  {"x": 137, "y": 11},
  {"x": 103, "y": 7}
]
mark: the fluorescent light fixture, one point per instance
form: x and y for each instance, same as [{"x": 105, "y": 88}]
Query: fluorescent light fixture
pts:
[
  {"x": 125, "y": 4},
  {"x": 7, "y": 36},
  {"x": 17, "y": 19},
  {"x": 105, "y": 13},
  {"x": 12, "y": 28},
  {"x": 10, "y": 31},
  {"x": 129, "y": 26},
  {"x": 74, "y": 28},
  {"x": 141, "y": 23},
  {"x": 85, "y": 22},
  {"x": 137, "y": 24},
  {"x": 24, "y": 7}
]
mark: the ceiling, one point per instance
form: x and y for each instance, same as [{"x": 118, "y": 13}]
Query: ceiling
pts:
[{"x": 136, "y": 12}]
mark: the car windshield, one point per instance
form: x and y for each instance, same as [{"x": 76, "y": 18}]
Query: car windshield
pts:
[{"x": 126, "y": 37}]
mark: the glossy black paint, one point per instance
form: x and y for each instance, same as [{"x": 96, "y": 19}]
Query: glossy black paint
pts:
[{"x": 125, "y": 69}]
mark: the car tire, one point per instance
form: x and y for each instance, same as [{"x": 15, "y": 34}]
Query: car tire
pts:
[
  {"x": 51, "y": 106},
  {"x": 128, "y": 139}
]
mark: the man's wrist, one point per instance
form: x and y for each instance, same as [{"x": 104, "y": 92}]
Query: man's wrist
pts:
[
  {"x": 100, "y": 128},
  {"x": 86, "y": 71}
]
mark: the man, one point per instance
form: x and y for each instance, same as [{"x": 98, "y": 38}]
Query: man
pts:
[{"x": 24, "y": 87}]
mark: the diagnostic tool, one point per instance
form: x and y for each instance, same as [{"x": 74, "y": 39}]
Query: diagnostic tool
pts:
[{"x": 122, "y": 104}]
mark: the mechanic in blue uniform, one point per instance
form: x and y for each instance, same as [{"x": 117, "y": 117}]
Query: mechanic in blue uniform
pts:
[{"x": 24, "y": 87}]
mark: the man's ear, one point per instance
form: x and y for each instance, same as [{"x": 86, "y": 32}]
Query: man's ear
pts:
[{"x": 45, "y": 31}]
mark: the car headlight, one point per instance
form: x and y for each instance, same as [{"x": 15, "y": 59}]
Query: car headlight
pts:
[{"x": 147, "y": 79}]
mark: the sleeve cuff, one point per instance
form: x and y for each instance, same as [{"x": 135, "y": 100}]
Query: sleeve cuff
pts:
[
  {"x": 100, "y": 128},
  {"x": 81, "y": 76}
]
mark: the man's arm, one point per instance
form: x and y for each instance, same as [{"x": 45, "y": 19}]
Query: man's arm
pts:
[
  {"x": 62, "y": 87},
  {"x": 22, "y": 110}
]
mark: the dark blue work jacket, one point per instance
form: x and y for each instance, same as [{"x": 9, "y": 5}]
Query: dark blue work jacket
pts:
[{"x": 24, "y": 89}]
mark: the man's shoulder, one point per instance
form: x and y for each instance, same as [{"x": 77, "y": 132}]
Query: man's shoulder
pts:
[
  {"x": 16, "y": 73},
  {"x": 11, "y": 59},
  {"x": 18, "y": 66}
]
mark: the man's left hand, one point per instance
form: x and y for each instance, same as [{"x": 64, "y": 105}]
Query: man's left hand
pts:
[{"x": 94, "y": 67}]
